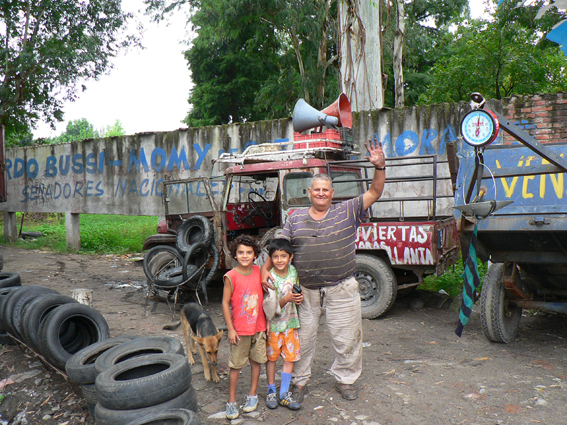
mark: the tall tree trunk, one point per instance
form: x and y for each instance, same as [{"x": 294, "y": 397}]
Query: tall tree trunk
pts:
[
  {"x": 359, "y": 50},
  {"x": 399, "y": 36}
]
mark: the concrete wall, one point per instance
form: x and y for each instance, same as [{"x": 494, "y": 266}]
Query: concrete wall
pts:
[{"x": 123, "y": 175}]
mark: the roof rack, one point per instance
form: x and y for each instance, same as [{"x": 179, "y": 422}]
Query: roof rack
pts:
[{"x": 287, "y": 151}]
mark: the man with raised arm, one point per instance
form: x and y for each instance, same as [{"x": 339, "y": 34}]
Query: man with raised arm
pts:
[{"x": 323, "y": 238}]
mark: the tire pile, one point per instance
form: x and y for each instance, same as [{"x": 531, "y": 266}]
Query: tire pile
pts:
[
  {"x": 125, "y": 380},
  {"x": 169, "y": 268},
  {"x": 129, "y": 380},
  {"x": 55, "y": 326}
]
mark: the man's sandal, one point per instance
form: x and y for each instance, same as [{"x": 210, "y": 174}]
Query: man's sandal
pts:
[{"x": 348, "y": 392}]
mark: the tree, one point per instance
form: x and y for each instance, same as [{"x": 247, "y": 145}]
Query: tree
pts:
[
  {"x": 508, "y": 56},
  {"x": 48, "y": 48},
  {"x": 113, "y": 130},
  {"x": 253, "y": 60},
  {"x": 360, "y": 54},
  {"x": 426, "y": 25},
  {"x": 76, "y": 130}
]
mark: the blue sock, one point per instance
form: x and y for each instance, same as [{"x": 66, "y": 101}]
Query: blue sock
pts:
[
  {"x": 271, "y": 388},
  {"x": 286, "y": 379}
]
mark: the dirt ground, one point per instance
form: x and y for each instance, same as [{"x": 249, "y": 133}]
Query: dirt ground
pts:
[{"x": 416, "y": 370}]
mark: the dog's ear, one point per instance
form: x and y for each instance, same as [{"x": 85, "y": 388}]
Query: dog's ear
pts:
[
  {"x": 219, "y": 335},
  {"x": 198, "y": 339}
]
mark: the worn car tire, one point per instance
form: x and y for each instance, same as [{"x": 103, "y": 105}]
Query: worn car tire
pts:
[
  {"x": 20, "y": 306},
  {"x": 377, "y": 284},
  {"x": 10, "y": 279},
  {"x": 499, "y": 316},
  {"x": 13, "y": 304},
  {"x": 80, "y": 367},
  {"x": 36, "y": 311},
  {"x": 169, "y": 417},
  {"x": 193, "y": 230},
  {"x": 91, "y": 326},
  {"x": 105, "y": 416},
  {"x": 159, "y": 263},
  {"x": 156, "y": 344},
  {"x": 4, "y": 293},
  {"x": 143, "y": 381}
]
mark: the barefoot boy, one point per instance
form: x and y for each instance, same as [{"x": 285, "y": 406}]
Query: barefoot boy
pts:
[
  {"x": 283, "y": 338},
  {"x": 245, "y": 321}
]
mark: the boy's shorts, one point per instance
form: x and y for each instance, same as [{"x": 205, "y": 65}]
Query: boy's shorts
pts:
[
  {"x": 285, "y": 344},
  {"x": 251, "y": 347}
]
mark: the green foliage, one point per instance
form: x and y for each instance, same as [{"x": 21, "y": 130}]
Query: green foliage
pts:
[
  {"x": 505, "y": 57},
  {"x": 77, "y": 130},
  {"x": 252, "y": 60},
  {"x": 99, "y": 233},
  {"x": 48, "y": 49},
  {"x": 452, "y": 280},
  {"x": 428, "y": 24},
  {"x": 113, "y": 130}
]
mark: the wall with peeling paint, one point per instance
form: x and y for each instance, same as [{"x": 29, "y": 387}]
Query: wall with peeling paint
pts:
[{"x": 123, "y": 175}]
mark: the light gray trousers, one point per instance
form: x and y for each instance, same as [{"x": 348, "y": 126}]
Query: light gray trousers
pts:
[{"x": 343, "y": 316}]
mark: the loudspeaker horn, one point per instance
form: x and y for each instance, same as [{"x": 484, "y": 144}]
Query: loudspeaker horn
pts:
[
  {"x": 306, "y": 117},
  {"x": 340, "y": 108}
]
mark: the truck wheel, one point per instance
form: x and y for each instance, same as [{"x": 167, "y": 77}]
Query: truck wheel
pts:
[
  {"x": 377, "y": 285},
  {"x": 499, "y": 316}
]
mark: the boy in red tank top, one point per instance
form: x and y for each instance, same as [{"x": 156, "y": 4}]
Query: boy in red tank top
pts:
[{"x": 245, "y": 321}]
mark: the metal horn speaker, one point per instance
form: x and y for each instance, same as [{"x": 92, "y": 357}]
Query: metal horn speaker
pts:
[
  {"x": 340, "y": 108},
  {"x": 306, "y": 117}
]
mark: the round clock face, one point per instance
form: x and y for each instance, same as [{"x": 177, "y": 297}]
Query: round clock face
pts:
[{"x": 479, "y": 127}]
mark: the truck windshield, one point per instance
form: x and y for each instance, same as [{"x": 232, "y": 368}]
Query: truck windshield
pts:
[
  {"x": 242, "y": 185},
  {"x": 295, "y": 186}
]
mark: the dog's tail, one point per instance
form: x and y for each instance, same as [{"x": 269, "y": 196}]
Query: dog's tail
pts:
[{"x": 171, "y": 327}]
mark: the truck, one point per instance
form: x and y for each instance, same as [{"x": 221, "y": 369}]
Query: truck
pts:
[
  {"x": 409, "y": 233},
  {"x": 520, "y": 217}
]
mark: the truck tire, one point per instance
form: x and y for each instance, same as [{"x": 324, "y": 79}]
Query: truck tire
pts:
[
  {"x": 193, "y": 230},
  {"x": 499, "y": 316},
  {"x": 377, "y": 284}
]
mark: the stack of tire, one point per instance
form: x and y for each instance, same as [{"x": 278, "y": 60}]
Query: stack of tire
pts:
[
  {"x": 55, "y": 326},
  {"x": 168, "y": 267},
  {"x": 129, "y": 380}
]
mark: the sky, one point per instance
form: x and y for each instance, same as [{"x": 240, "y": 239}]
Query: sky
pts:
[{"x": 148, "y": 89}]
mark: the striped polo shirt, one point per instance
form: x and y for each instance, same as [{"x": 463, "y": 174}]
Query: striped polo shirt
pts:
[{"x": 324, "y": 251}]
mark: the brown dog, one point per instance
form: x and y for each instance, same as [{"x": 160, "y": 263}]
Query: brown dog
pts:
[{"x": 198, "y": 326}]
